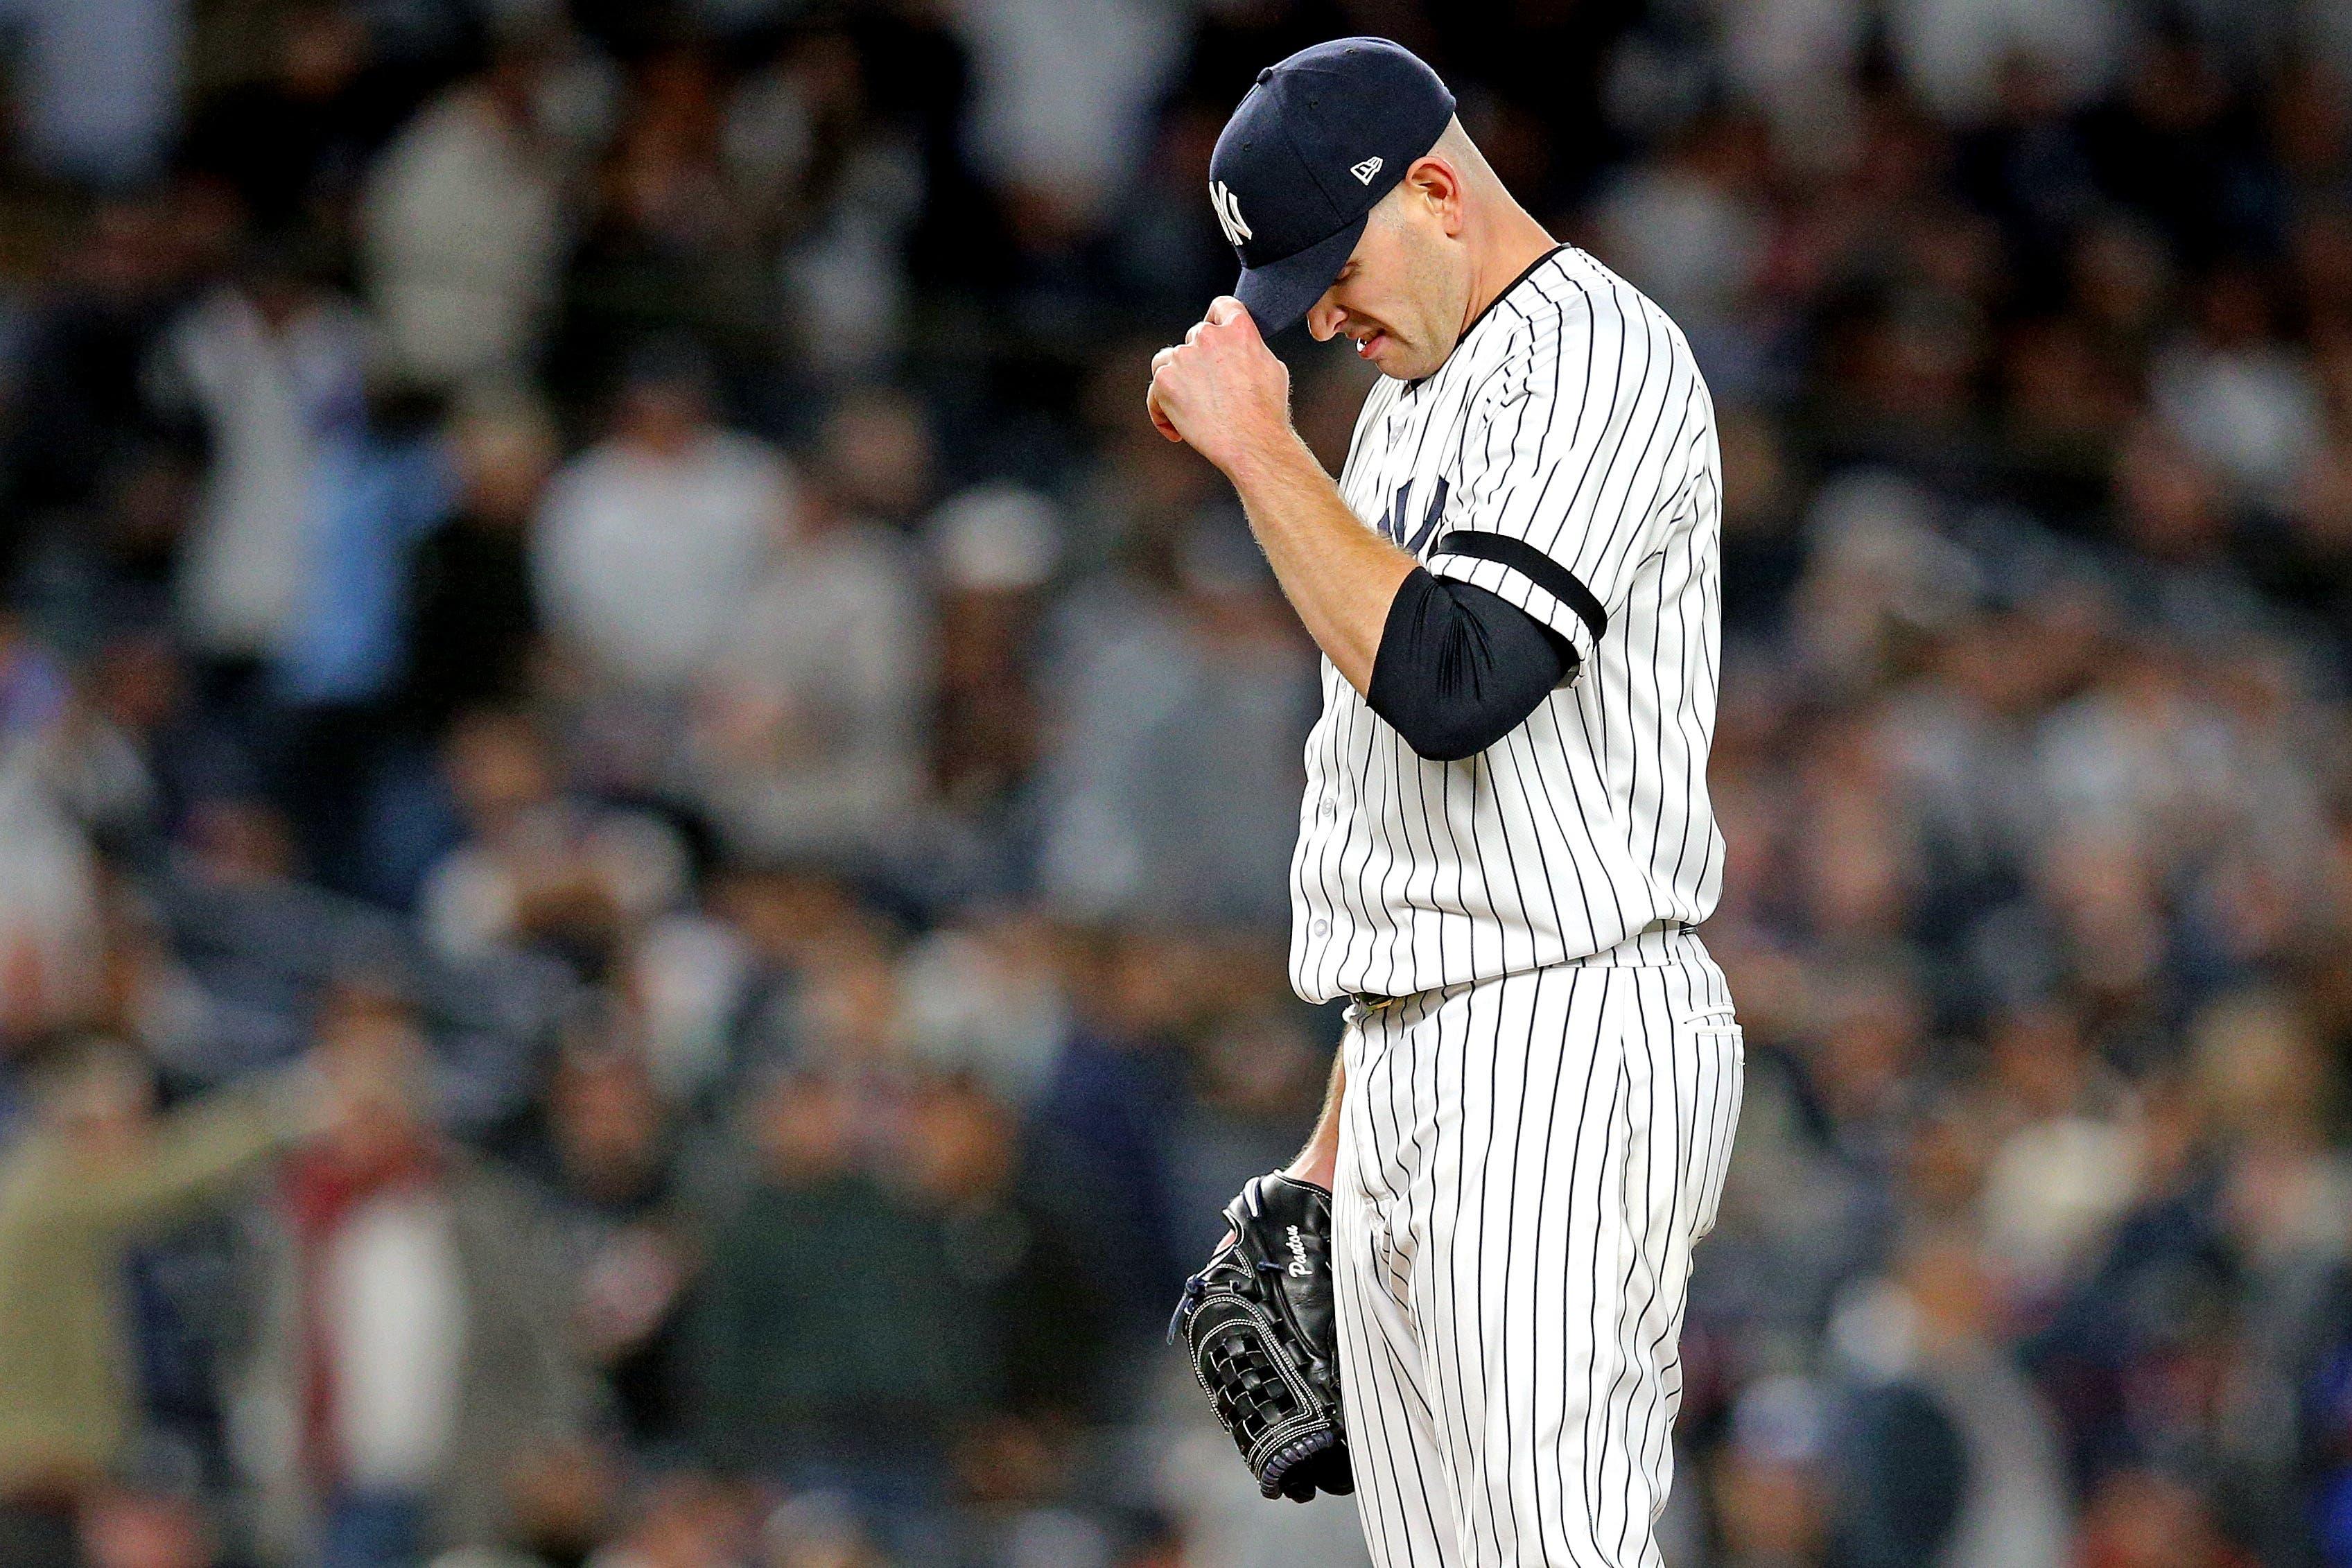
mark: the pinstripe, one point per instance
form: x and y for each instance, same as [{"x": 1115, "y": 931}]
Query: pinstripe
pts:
[
  {"x": 1494, "y": 1041},
  {"x": 1662, "y": 1141},
  {"x": 1509, "y": 754},
  {"x": 1459, "y": 1242},
  {"x": 1534, "y": 1135},
  {"x": 1397, "y": 884},
  {"x": 1372, "y": 1437},
  {"x": 1542, "y": 1435},
  {"x": 1511, "y": 1161},
  {"x": 1359, "y": 722},
  {"x": 1555, "y": 1204},
  {"x": 1654, "y": 1439},
  {"x": 1532, "y": 1383},
  {"x": 1602, "y": 1185},
  {"x": 1625, "y": 1319}
]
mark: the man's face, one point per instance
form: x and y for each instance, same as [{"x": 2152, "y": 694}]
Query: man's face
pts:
[
  {"x": 1402, "y": 295},
  {"x": 662, "y": 416},
  {"x": 107, "y": 1112}
]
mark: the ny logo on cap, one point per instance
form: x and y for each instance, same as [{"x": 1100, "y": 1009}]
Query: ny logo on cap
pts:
[
  {"x": 1229, "y": 214},
  {"x": 1365, "y": 171}
]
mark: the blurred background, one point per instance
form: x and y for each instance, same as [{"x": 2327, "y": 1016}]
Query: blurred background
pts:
[{"x": 643, "y": 824}]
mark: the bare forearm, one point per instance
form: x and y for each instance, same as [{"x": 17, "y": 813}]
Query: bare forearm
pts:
[
  {"x": 197, "y": 1150},
  {"x": 1224, "y": 392},
  {"x": 1339, "y": 576},
  {"x": 1319, "y": 1162}
]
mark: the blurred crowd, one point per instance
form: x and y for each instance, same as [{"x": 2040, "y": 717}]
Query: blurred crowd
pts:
[{"x": 643, "y": 824}]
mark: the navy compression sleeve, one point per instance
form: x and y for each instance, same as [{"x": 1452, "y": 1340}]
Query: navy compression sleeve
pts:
[{"x": 1458, "y": 667}]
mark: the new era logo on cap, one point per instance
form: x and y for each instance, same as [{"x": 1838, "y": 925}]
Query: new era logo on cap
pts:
[{"x": 1312, "y": 148}]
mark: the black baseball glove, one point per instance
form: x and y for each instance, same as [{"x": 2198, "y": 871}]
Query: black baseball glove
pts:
[{"x": 1258, "y": 1323}]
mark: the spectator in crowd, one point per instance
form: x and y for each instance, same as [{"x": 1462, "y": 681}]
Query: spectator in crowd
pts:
[
  {"x": 814, "y": 706},
  {"x": 473, "y": 620},
  {"x": 648, "y": 545},
  {"x": 619, "y": 1189},
  {"x": 50, "y": 945},
  {"x": 379, "y": 491},
  {"x": 806, "y": 1370},
  {"x": 267, "y": 369},
  {"x": 411, "y": 1344},
  {"x": 262, "y": 944},
  {"x": 2142, "y": 1516},
  {"x": 538, "y": 866},
  {"x": 1922, "y": 1351},
  {"x": 100, "y": 101},
  {"x": 685, "y": 1520},
  {"x": 1099, "y": 1133},
  {"x": 995, "y": 549},
  {"x": 289, "y": 143},
  {"x": 1771, "y": 1480},
  {"x": 127, "y": 1528},
  {"x": 863, "y": 1378},
  {"x": 563, "y": 1506},
  {"x": 463, "y": 223},
  {"x": 80, "y": 393},
  {"x": 1061, "y": 112},
  {"x": 1173, "y": 786},
  {"x": 988, "y": 997},
  {"x": 666, "y": 247},
  {"x": 97, "y": 1167}
]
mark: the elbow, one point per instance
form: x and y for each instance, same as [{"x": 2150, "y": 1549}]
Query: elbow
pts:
[
  {"x": 1449, "y": 749},
  {"x": 1455, "y": 737},
  {"x": 1458, "y": 669}
]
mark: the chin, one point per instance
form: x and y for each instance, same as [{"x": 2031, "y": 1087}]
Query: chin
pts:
[{"x": 1404, "y": 368}]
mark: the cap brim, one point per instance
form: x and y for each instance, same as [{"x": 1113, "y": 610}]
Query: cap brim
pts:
[{"x": 1280, "y": 293}]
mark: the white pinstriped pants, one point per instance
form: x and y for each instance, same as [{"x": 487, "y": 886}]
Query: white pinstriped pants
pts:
[{"x": 1524, "y": 1166}]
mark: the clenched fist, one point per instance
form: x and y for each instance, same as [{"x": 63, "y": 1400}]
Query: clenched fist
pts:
[{"x": 1221, "y": 390}]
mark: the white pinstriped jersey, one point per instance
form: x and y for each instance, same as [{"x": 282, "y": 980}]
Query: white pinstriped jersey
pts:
[{"x": 1564, "y": 458}]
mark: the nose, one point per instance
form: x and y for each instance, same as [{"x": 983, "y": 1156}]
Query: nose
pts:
[{"x": 1324, "y": 318}]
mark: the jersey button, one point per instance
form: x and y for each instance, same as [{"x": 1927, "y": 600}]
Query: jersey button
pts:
[
  {"x": 1321, "y": 927},
  {"x": 1329, "y": 808}
]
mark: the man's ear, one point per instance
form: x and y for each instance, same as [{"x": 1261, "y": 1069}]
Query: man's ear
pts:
[{"x": 1433, "y": 179}]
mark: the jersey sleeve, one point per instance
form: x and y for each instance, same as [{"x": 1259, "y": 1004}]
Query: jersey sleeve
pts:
[{"x": 1576, "y": 457}]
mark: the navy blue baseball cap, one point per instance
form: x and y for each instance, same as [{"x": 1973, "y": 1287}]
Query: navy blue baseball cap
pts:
[{"x": 1313, "y": 147}]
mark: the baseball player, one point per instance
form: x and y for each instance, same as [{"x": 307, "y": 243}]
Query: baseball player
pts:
[{"x": 1505, "y": 841}]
